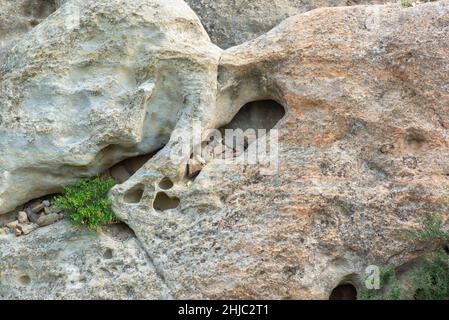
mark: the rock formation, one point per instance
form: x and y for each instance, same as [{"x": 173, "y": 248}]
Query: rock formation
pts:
[
  {"x": 230, "y": 23},
  {"x": 17, "y": 17},
  {"x": 363, "y": 154},
  {"x": 110, "y": 265},
  {"x": 94, "y": 84},
  {"x": 356, "y": 97}
]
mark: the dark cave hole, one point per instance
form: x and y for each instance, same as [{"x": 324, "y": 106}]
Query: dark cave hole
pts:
[
  {"x": 255, "y": 115},
  {"x": 163, "y": 202},
  {"x": 262, "y": 114},
  {"x": 344, "y": 291},
  {"x": 134, "y": 195},
  {"x": 166, "y": 184},
  {"x": 446, "y": 249}
]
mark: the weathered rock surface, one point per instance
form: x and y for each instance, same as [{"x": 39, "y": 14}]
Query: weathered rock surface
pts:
[
  {"x": 363, "y": 154},
  {"x": 17, "y": 17},
  {"x": 95, "y": 83},
  {"x": 363, "y": 149},
  {"x": 58, "y": 262},
  {"x": 230, "y": 23}
]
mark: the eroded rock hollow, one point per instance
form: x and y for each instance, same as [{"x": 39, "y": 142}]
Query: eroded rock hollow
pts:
[{"x": 354, "y": 102}]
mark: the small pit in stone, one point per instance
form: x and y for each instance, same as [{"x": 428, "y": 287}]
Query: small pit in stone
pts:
[
  {"x": 345, "y": 291},
  {"x": 166, "y": 184},
  {"x": 24, "y": 280},
  {"x": 262, "y": 114},
  {"x": 134, "y": 195},
  {"x": 163, "y": 202},
  {"x": 108, "y": 254}
]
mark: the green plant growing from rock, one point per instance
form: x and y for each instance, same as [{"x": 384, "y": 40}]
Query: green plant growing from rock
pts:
[
  {"x": 429, "y": 277},
  {"x": 87, "y": 204},
  {"x": 389, "y": 286}
]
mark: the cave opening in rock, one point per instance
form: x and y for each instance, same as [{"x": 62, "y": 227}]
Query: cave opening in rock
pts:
[
  {"x": 134, "y": 195},
  {"x": 123, "y": 170},
  {"x": 163, "y": 202},
  {"x": 344, "y": 291},
  {"x": 261, "y": 114}
]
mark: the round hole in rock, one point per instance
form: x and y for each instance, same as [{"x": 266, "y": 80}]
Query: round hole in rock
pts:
[
  {"x": 344, "y": 291},
  {"x": 255, "y": 115},
  {"x": 108, "y": 254},
  {"x": 24, "y": 280},
  {"x": 163, "y": 202},
  {"x": 134, "y": 195},
  {"x": 166, "y": 184}
]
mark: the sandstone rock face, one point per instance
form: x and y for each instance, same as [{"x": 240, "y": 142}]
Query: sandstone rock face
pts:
[
  {"x": 230, "y": 23},
  {"x": 363, "y": 154},
  {"x": 95, "y": 83},
  {"x": 43, "y": 266},
  {"x": 17, "y": 17},
  {"x": 358, "y": 101}
]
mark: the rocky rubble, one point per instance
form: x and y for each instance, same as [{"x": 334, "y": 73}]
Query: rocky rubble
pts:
[{"x": 36, "y": 214}]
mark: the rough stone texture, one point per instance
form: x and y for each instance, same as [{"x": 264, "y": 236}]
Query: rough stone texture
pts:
[
  {"x": 95, "y": 83},
  {"x": 17, "y": 17},
  {"x": 363, "y": 150},
  {"x": 233, "y": 22},
  {"x": 363, "y": 155},
  {"x": 58, "y": 262}
]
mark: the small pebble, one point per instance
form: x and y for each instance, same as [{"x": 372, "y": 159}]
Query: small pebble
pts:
[
  {"x": 29, "y": 228},
  {"x": 48, "y": 219},
  {"x": 2, "y": 232},
  {"x": 31, "y": 215},
  {"x": 13, "y": 224},
  {"x": 46, "y": 203},
  {"x": 49, "y": 210},
  {"x": 18, "y": 230},
  {"x": 22, "y": 217}
]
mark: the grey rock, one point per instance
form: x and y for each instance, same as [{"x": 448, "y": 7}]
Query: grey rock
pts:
[
  {"x": 46, "y": 220},
  {"x": 231, "y": 23},
  {"x": 31, "y": 215},
  {"x": 59, "y": 262},
  {"x": 79, "y": 94}
]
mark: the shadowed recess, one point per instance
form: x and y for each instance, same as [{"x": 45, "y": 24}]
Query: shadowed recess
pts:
[
  {"x": 163, "y": 202},
  {"x": 134, "y": 195},
  {"x": 344, "y": 292}
]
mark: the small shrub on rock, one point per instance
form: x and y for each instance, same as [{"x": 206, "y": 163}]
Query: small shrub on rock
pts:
[{"x": 87, "y": 204}]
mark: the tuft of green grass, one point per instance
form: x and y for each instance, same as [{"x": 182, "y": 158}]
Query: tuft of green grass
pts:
[
  {"x": 389, "y": 287},
  {"x": 87, "y": 204},
  {"x": 431, "y": 229}
]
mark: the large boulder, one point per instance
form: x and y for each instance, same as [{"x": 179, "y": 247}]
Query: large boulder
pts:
[
  {"x": 363, "y": 155},
  {"x": 59, "y": 262},
  {"x": 95, "y": 83},
  {"x": 230, "y": 23}
]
